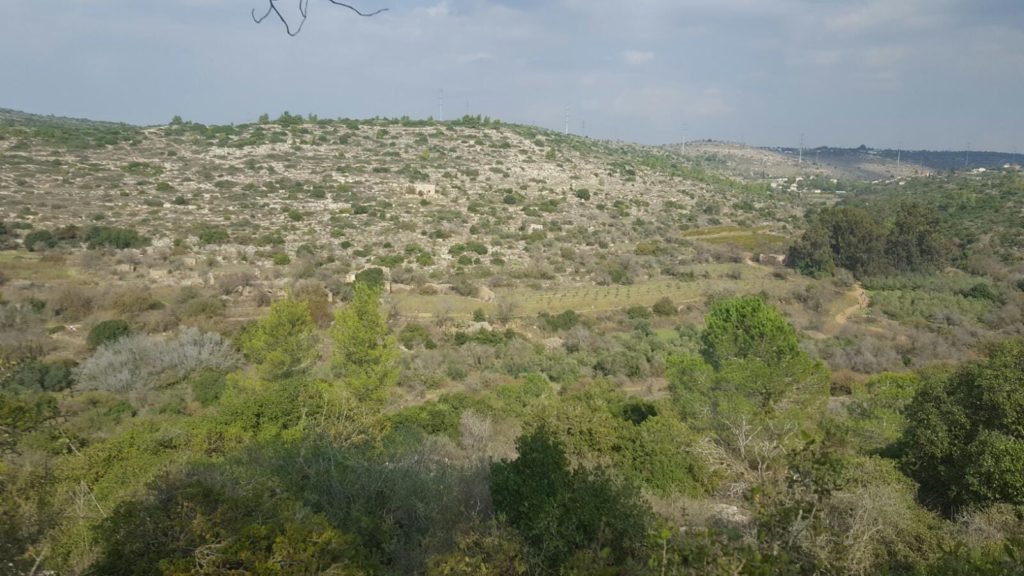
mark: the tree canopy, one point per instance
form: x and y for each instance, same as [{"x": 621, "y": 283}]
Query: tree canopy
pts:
[
  {"x": 283, "y": 343},
  {"x": 964, "y": 442},
  {"x": 866, "y": 244},
  {"x": 746, "y": 327}
]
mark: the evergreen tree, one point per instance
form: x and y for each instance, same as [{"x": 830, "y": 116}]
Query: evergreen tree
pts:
[
  {"x": 282, "y": 344},
  {"x": 747, "y": 328},
  {"x": 365, "y": 355}
]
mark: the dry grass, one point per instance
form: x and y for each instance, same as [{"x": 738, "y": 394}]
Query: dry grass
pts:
[
  {"x": 711, "y": 280},
  {"x": 34, "y": 267}
]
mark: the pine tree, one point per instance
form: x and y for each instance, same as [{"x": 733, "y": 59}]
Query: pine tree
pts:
[
  {"x": 282, "y": 344},
  {"x": 365, "y": 356}
]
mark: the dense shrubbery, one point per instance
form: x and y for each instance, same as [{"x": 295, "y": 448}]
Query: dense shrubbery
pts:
[
  {"x": 372, "y": 277},
  {"x": 213, "y": 235},
  {"x": 39, "y": 239},
  {"x": 119, "y": 238},
  {"x": 106, "y": 332},
  {"x": 964, "y": 441},
  {"x": 560, "y": 512},
  {"x": 45, "y": 376},
  {"x": 562, "y": 321}
]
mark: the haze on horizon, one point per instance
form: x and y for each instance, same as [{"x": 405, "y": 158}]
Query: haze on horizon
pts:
[{"x": 923, "y": 74}]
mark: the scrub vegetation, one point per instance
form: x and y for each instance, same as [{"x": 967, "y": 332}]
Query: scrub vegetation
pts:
[{"x": 391, "y": 346}]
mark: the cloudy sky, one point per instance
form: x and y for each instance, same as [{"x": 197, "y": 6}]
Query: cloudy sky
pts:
[{"x": 937, "y": 74}]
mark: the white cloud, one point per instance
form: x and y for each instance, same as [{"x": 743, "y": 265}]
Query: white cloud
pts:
[
  {"x": 471, "y": 57},
  {"x": 637, "y": 57},
  {"x": 439, "y": 10}
]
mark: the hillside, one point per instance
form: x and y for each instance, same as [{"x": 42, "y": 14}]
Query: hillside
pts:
[
  {"x": 463, "y": 216},
  {"x": 434, "y": 203},
  {"x": 387, "y": 346},
  {"x": 845, "y": 165}
]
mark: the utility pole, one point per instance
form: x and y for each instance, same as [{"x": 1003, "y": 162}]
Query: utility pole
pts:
[
  {"x": 440, "y": 105},
  {"x": 967, "y": 156},
  {"x": 899, "y": 154},
  {"x": 686, "y": 130},
  {"x": 801, "y": 160},
  {"x": 566, "y": 120}
]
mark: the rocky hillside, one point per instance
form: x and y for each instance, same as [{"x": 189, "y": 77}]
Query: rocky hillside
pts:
[{"x": 429, "y": 196}]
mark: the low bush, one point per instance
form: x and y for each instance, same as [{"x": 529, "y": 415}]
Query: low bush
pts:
[
  {"x": 107, "y": 331},
  {"x": 110, "y": 237},
  {"x": 39, "y": 240}
]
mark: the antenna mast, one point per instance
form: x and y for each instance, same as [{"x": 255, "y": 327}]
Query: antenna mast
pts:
[{"x": 566, "y": 120}]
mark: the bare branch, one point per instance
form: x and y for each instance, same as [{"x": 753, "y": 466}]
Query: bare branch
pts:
[
  {"x": 261, "y": 18},
  {"x": 352, "y": 8},
  {"x": 304, "y": 12}
]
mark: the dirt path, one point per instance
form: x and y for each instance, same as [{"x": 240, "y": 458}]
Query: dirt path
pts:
[{"x": 862, "y": 303}]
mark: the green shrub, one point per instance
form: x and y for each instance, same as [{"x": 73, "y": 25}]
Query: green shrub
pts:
[
  {"x": 638, "y": 313},
  {"x": 665, "y": 307},
  {"x": 107, "y": 331},
  {"x": 207, "y": 386},
  {"x": 36, "y": 238},
  {"x": 964, "y": 441},
  {"x": 559, "y": 511},
  {"x": 46, "y": 376},
  {"x": 984, "y": 291},
  {"x": 413, "y": 335},
  {"x": 372, "y": 277},
  {"x": 119, "y": 238},
  {"x": 213, "y": 235},
  {"x": 560, "y": 322}
]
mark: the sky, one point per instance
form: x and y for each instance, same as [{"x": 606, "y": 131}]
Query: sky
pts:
[{"x": 915, "y": 74}]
